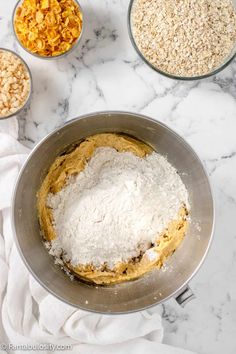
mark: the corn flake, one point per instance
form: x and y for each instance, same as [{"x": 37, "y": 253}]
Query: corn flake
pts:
[
  {"x": 39, "y": 16},
  {"x": 48, "y": 27},
  {"x": 44, "y": 4}
]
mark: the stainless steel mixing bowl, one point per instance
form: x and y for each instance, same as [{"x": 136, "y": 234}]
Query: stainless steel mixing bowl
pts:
[{"x": 150, "y": 289}]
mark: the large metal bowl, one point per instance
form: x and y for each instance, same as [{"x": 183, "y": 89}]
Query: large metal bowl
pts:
[{"x": 150, "y": 289}]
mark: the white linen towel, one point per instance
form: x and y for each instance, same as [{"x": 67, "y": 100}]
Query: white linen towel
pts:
[{"x": 31, "y": 316}]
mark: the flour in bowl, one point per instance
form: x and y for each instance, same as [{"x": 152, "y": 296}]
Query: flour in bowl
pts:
[{"x": 115, "y": 208}]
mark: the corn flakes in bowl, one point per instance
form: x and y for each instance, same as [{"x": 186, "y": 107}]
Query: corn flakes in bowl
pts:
[{"x": 48, "y": 28}]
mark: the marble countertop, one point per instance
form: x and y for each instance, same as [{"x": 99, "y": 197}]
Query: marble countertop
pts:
[{"x": 106, "y": 73}]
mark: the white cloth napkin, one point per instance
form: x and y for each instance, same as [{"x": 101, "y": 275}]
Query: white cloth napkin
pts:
[{"x": 31, "y": 316}]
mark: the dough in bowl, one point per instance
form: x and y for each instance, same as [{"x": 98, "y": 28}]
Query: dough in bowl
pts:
[{"x": 111, "y": 209}]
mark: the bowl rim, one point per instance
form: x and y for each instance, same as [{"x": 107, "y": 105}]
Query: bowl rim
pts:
[
  {"x": 30, "y": 79},
  {"x": 62, "y": 55},
  {"x": 166, "y": 74},
  {"x": 108, "y": 113}
]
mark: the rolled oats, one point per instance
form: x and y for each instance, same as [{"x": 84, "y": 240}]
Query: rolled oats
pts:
[{"x": 184, "y": 37}]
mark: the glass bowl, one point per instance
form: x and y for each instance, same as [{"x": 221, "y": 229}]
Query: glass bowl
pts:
[
  {"x": 224, "y": 64},
  {"x": 30, "y": 88},
  {"x": 73, "y": 47}
]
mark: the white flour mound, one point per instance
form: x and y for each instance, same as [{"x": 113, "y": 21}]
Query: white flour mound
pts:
[{"x": 115, "y": 208}]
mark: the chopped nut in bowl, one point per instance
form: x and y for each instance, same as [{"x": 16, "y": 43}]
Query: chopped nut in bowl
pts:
[
  {"x": 48, "y": 29},
  {"x": 15, "y": 83},
  {"x": 182, "y": 39}
]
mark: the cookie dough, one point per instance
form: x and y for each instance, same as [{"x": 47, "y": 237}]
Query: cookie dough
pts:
[{"x": 74, "y": 162}]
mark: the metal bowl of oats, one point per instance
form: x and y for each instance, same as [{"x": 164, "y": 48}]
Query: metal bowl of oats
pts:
[
  {"x": 150, "y": 289},
  {"x": 15, "y": 83},
  {"x": 185, "y": 40},
  {"x": 48, "y": 30}
]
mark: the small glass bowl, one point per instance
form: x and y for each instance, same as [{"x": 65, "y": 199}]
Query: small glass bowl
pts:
[
  {"x": 74, "y": 46},
  {"x": 30, "y": 84},
  {"x": 226, "y": 62}
]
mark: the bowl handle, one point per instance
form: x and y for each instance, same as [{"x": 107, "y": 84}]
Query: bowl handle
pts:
[{"x": 185, "y": 296}]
